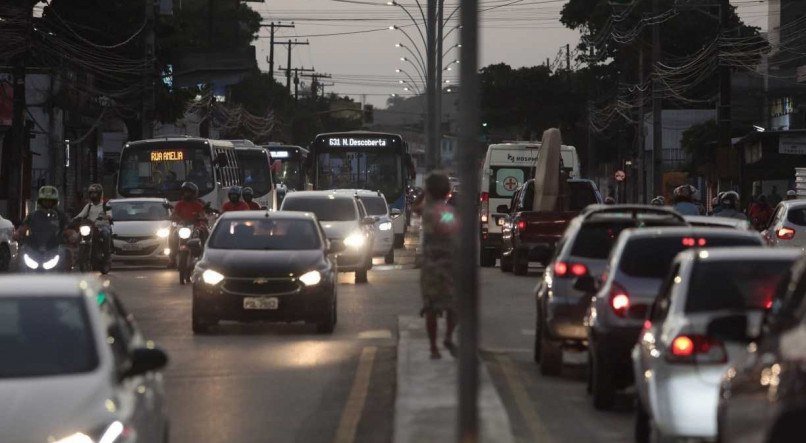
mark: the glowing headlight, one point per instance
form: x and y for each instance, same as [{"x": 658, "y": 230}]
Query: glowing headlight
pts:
[
  {"x": 50, "y": 264},
  {"x": 212, "y": 277},
  {"x": 110, "y": 435},
  {"x": 354, "y": 240},
  {"x": 31, "y": 263},
  {"x": 311, "y": 278},
  {"x": 76, "y": 438},
  {"x": 85, "y": 230},
  {"x": 184, "y": 233},
  {"x": 385, "y": 226},
  {"x": 163, "y": 232}
]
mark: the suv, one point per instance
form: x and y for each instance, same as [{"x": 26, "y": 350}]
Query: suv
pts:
[
  {"x": 582, "y": 251},
  {"x": 638, "y": 264},
  {"x": 344, "y": 219}
]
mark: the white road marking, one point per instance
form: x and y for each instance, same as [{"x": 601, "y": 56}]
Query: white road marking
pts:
[{"x": 375, "y": 333}]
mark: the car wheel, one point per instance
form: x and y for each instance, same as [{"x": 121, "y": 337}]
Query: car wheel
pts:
[
  {"x": 327, "y": 322},
  {"x": 361, "y": 275},
  {"x": 5, "y": 258},
  {"x": 506, "y": 263},
  {"x": 400, "y": 241},
  {"x": 602, "y": 387},
  {"x": 551, "y": 355},
  {"x": 643, "y": 429},
  {"x": 487, "y": 258},
  {"x": 389, "y": 258},
  {"x": 520, "y": 262}
]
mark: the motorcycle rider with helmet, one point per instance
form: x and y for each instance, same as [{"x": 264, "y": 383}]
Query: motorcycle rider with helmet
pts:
[
  {"x": 45, "y": 226},
  {"x": 189, "y": 210},
  {"x": 234, "y": 203},
  {"x": 683, "y": 200},
  {"x": 658, "y": 201},
  {"x": 95, "y": 212},
  {"x": 729, "y": 204},
  {"x": 248, "y": 194}
]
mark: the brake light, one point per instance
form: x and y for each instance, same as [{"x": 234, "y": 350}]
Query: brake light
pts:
[
  {"x": 690, "y": 242},
  {"x": 485, "y": 206},
  {"x": 563, "y": 269},
  {"x": 578, "y": 269},
  {"x": 560, "y": 269},
  {"x": 785, "y": 233},
  {"x": 619, "y": 300},
  {"x": 687, "y": 348},
  {"x": 521, "y": 225}
]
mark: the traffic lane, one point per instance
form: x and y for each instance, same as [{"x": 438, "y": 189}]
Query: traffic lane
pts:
[
  {"x": 545, "y": 409},
  {"x": 272, "y": 382}
]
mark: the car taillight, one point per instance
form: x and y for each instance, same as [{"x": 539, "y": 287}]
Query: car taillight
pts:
[
  {"x": 563, "y": 269},
  {"x": 690, "y": 242},
  {"x": 521, "y": 225},
  {"x": 619, "y": 300},
  {"x": 692, "y": 348},
  {"x": 485, "y": 206},
  {"x": 785, "y": 233}
]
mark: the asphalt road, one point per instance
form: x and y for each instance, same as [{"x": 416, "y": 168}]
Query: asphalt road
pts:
[{"x": 284, "y": 383}]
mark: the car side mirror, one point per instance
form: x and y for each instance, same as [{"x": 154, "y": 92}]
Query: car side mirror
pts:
[
  {"x": 394, "y": 212},
  {"x": 334, "y": 248},
  {"x": 368, "y": 221},
  {"x": 145, "y": 360},
  {"x": 503, "y": 209},
  {"x": 586, "y": 284},
  {"x": 730, "y": 328},
  {"x": 221, "y": 159}
]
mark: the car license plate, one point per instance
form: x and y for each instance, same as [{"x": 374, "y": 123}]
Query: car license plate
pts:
[
  {"x": 261, "y": 303},
  {"x": 130, "y": 247}
]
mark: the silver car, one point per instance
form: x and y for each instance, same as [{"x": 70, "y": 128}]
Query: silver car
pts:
[
  {"x": 75, "y": 367},
  {"x": 787, "y": 227},
  {"x": 141, "y": 229},
  {"x": 679, "y": 359}
]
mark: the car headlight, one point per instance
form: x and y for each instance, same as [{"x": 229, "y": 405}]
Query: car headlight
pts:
[
  {"x": 184, "y": 233},
  {"x": 311, "y": 278},
  {"x": 85, "y": 230},
  {"x": 109, "y": 435},
  {"x": 163, "y": 232},
  {"x": 31, "y": 263},
  {"x": 355, "y": 240},
  {"x": 50, "y": 264},
  {"x": 212, "y": 277},
  {"x": 385, "y": 226}
]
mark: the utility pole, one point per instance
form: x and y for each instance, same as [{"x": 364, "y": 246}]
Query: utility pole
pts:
[
  {"x": 438, "y": 91},
  {"x": 315, "y": 76},
  {"x": 641, "y": 182},
  {"x": 147, "y": 117},
  {"x": 568, "y": 57},
  {"x": 274, "y": 26},
  {"x": 430, "y": 86},
  {"x": 289, "y": 43},
  {"x": 657, "y": 110},
  {"x": 296, "y": 84},
  {"x": 724, "y": 107}
]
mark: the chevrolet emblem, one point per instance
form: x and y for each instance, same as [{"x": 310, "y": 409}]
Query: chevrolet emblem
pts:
[{"x": 260, "y": 281}]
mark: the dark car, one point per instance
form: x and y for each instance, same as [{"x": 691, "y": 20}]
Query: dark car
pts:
[
  {"x": 266, "y": 266},
  {"x": 763, "y": 397}
]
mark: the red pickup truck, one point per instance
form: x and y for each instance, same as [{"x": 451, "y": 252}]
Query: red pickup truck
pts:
[{"x": 528, "y": 235}]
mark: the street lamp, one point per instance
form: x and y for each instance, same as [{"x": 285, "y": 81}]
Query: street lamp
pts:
[
  {"x": 420, "y": 72},
  {"x": 418, "y": 56},
  {"x": 411, "y": 17},
  {"x": 402, "y": 71}
]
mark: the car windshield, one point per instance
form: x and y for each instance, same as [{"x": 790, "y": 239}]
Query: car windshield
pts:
[
  {"x": 725, "y": 285},
  {"x": 266, "y": 234},
  {"x": 45, "y": 336},
  {"x": 138, "y": 211},
  {"x": 156, "y": 170},
  {"x": 595, "y": 240},
  {"x": 360, "y": 170},
  {"x": 375, "y": 205},
  {"x": 325, "y": 208},
  {"x": 255, "y": 170},
  {"x": 651, "y": 257}
]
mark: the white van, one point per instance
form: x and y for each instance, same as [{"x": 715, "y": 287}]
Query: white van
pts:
[{"x": 506, "y": 167}]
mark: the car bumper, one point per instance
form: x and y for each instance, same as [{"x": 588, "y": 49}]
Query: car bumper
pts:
[
  {"x": 143, "y": 250},
  {"x": 303, "y": 304},
  {"x": 565, "y": 316},
  {"x": 683, "y": 401},
  {"x": 351, "y": 262},
  {"x": 540, "y": 251},
  {"x": 491, "y": 240},
  {"x": 615, "y": 346},
  {"x": 382, "y": 244}
]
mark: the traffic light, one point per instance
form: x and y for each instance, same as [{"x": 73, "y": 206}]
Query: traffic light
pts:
[{"x": 368, "y": 114}]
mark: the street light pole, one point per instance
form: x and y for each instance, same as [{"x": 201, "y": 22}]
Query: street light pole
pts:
[
  {"x": 432, "y": 160},
  {"x": 438, "y": 81}
]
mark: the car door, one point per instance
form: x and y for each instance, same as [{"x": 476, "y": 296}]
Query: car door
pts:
[{"x": 775, "y": 224}]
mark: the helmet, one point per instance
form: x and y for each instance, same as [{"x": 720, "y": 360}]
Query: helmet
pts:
[
  {"x": 96, "y": 189},
  {"x": 48, "y": 194},
  {"x": 610, "y": 201},
  {"x": 730, "y": 199},
  {"x": 791, "y": 194},
  {"x": 234, "y": 194},
  {"x": 658, "y": 201},
  {"x": 190, "y": 188},
  {"x": 247, "y": 193}
]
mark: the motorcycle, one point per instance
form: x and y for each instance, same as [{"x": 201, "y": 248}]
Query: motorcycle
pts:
[
  {"x": 43, "y": 259},
  {"x": 91, "y": 256},
  {"x": 190, "y": 245}
]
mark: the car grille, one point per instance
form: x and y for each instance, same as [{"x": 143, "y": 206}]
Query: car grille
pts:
[
  {"x": 146, "y": 251},
  {"x": 134, "y": 239},
  {"x": 260, "y": 286}
]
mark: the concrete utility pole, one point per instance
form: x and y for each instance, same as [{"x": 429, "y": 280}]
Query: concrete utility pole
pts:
[
  {"x": 568, "y": 57},
  {"x": 724, "y": 107},
  {"x": 438, "y": 91},
  {"x": 289, "y": 43},
  {"x": 274, "y": 26},
  {"x": 466, "y": 270},
  {"x": 430, "y": 86},
  {"x": 147, "y": 117},
  {"x": 641, "y": 182},
  {"x": 315, "y": 83},
  {"x": 657, "y": 110}
]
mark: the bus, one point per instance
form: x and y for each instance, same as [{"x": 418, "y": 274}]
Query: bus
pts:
[
  {"x": 158, "y": 167},
  {"x": 288, "y": 166},
  {"x": 255, "y": 164},
  {"x": 365, "y": 160}
]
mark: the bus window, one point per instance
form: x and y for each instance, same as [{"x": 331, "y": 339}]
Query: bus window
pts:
[
  {"x": 361, "y": 170},
  {"x": 158, "y": 170},
  {"x": 255, "y": 170}
]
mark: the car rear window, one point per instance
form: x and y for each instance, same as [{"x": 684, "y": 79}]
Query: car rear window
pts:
[
  {"x": 505, "y": 180},
  {"x": 595, "y": 240},
  {"x": 326, "y": 209},
  {"x": 650, "y": 257},
  {"x": 375, "y": 205},
  {"x": 582, "y": 195},
  {"x": 797, "y": 216},
  {"x": 725, "y": 285}
]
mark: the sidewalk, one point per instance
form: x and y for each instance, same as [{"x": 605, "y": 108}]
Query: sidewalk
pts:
[{"x": 426, "y": 404}]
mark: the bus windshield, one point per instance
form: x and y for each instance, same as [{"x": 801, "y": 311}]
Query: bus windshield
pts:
[
  {"x": 376, "y": 171},
  {"x": 156, "y": 170},
  {"x": 289, "y": 173},
  {"x": 255, "y": 170}
]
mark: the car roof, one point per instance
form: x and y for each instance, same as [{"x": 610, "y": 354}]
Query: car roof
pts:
[
  {"x": 47, "y": 285},
  {"x": 138, "y": 199},
  {"x": 360, "y": 192},
  {"x": 677, "y": 231},
  {"x": 742, "y": 253},
  {"x": 318, "y": 194},
  {"x": 797, "y": 203},
  {"x": 715, "y": 220},
  {"x": 284, "y": 215}
]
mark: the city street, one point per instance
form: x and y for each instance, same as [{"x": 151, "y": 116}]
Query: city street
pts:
[{"x": 282, "y": 382}]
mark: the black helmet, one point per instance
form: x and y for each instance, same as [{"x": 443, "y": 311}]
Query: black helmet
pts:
[
  {"x": 234, "y": 194},
  {"x": 190, "y": 187},
  {"x": 247, "y": 193}
]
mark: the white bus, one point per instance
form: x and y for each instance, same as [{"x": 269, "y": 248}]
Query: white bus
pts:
[
  {"x": 255, "y": 163},
  {"x": 158, "y": 167}
]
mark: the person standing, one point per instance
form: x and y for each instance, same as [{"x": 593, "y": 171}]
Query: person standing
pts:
[{"x": 439, "y": 227}]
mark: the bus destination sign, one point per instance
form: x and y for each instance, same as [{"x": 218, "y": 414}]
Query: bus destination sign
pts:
[
  {"x": 350, "y": 142},
  {"x": 167, "y": 156}
]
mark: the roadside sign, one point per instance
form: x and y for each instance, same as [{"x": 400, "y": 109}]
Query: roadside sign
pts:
[{"x": 620, "y": 176}]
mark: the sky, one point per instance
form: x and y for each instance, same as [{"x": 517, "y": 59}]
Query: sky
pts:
[{"x": 363, "y": 65}]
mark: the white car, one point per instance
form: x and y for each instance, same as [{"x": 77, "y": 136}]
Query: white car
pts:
[
  {"x": 378, "y": 208},
  {"x": 140, "y": 229},
  {"x": 8, "y": 247},
  {"x": 75, "y": 367},
  {"x": 679, "y": 359},
  {"x": 787, "y": 226}
]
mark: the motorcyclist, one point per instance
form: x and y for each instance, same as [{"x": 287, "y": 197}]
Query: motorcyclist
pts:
[
  {"x": 683, "y": 196},
  {"x": 610, "y": 201},
  {"x": 189, "y": 210},
  {"x": 94, "y": 211},
  {"x": 658, "y": 201},
  {"x": 248, "y": 194},
  {"x": 234, "y": 203},
  {"x": 791, "y": 194},
  {"x": 45, "y": 226},
  {"x": 730, "y": 206}
]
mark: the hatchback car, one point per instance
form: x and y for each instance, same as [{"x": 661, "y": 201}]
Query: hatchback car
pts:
[
  {"x": 265, "y": 266},
  {"x": 583, "y": 250},
  {"x": 141, "y": 229},
  {"x": 345, "y": 222},
  {"x": 787, "y": 226},
  {"x": 639, "y": 262},
  {"x": 75, "y": 366},
  {"x": 678, "y": 362},
  {"x": 383, "y": 238}
]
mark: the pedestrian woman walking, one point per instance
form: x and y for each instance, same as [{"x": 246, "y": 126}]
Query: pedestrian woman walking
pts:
[{"x": 439, "y": 226}]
